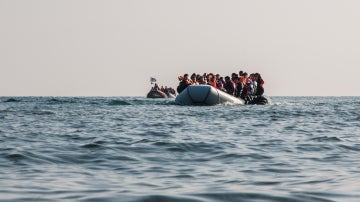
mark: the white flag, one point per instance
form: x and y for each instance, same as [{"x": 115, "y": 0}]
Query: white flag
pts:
[{"x": 152, "y": 80}]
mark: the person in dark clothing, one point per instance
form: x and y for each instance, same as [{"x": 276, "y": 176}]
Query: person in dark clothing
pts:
[
  {"x": 260, "y": 84},
  {"x": 229, "y": 86},
  {"x": 184, "y": 83}
]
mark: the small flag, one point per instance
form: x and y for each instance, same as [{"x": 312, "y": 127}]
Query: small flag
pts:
[{"x": 152, "y": 80}]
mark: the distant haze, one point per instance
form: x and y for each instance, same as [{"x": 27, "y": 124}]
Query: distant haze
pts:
[{"x": 113, "y": 47}]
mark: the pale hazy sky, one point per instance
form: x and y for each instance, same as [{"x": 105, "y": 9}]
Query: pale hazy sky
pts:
[{"x": 113, "y": 47}]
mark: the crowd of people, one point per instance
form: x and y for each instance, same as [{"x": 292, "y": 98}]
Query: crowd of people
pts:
[
  {"x": 239, "y": 84},
  {"x": 166, "y": 90}
]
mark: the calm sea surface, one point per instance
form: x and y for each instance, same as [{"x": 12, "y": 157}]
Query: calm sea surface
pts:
[{"x": 138, "y": 149}]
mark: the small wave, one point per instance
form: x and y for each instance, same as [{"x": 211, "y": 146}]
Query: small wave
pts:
[
  {"x": 326, "y": 139},
  {"x": 182, "y": 176},
  {"x": 196, "y": 147},
  {"x": 35, "y": 111},
  {"x": 28, "y": 158},
  {"x": 258, "y": 197},
  {"x": 166, "y": 102},
  {"x": 55, "y": 101},
  {"x": 232, "y": 156},
  {"x": 279, "y": 170},
  {"x": 118, "y": 102},
  {"x": 351, "y": 148},
  {"x": 265, "y": 183},
  {"x": 15, "y": 157},
  {"x": 12, "y": 100},
  {"x": 41, "y": 112},
  {"x": 91, "y": 146},
  {"x": 323, "y": 196},
  {"x": 314, "y": 147},
  {"x": 157, "y": 198},
  {"x": 229, "y": 196}
]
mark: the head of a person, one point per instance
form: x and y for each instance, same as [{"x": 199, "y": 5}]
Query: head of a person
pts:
[
  {"x": 258, "y": 76},
  {"x": 212, "y": 78},
  {"x": 210, "y": 75},
  {"x": 234, "y": 76}
]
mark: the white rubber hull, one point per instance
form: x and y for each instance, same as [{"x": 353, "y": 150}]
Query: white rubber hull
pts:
[{"x": 205, "y": 95}]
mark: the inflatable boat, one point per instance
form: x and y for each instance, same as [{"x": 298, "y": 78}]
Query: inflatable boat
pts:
[
  {"x": 205, "y": 95},
  {"x": 208, "y": 95},
  {"x": 159, "y": 94}
]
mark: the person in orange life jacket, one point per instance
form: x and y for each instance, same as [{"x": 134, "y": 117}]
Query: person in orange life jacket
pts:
[
  {"x": 241, "y": 73},
  {"x": 249, "y": 88},
  {"x": 212, "y": 80},
  {"x": 219, "y": 82},
  {"x": 241, "y": 77},
  {"x": 238, "y": 85},
  {"x": 245, "y": 88},
  {"x": 185, "y": 82},
  {"x": 229, "y": 86},
  {"x": 244, "y": 78}
]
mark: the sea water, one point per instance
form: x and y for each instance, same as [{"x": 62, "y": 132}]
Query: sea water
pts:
[{"x": 138, "y": 149}]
